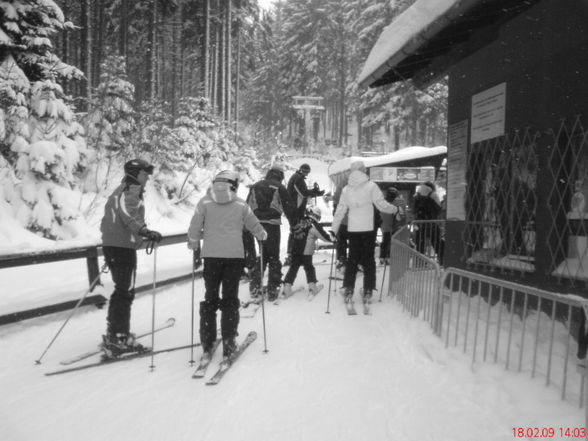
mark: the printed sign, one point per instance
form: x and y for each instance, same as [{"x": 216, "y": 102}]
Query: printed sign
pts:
[
  {"x": 488, "y": 113},
  {"x": 402, "y": 174}
]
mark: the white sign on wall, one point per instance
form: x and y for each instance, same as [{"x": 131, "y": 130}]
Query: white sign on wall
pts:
[
  {"x": 488, "y": 113},
  {"x": 402, "y": 174}
]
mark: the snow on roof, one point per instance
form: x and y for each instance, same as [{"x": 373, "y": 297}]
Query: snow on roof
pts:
[
  {"x": 401, "y": 37},
  {"x": 405, "y": 154}
]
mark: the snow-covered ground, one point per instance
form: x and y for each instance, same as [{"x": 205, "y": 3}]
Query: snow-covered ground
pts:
[{"x": 324, "y": 377}]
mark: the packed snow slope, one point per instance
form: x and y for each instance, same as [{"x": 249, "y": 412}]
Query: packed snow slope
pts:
[{"x": 324, "y": 376}]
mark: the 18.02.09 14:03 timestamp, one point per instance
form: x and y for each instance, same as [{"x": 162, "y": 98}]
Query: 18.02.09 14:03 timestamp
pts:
[{"x": 549, "y": 432}]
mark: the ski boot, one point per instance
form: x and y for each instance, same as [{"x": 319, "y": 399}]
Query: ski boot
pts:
[
  {"x": 287, "y": 290},
  {"x": 115, "y": 345},
  {"x": 255, "y": 294},
  {"x": 314, "y": 289},
  {"x": 348, "y": 295},
  {"x": 272, "y": 293},
  {"x": 229, "y": 347},
  {"x": 367, "y": 296}
]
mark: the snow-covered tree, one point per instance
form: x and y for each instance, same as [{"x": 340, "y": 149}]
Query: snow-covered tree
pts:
[
  {"x": 40, "y": 138},
  {"x": 47, "y": 163},
  {"x": 111, "y": 119}
]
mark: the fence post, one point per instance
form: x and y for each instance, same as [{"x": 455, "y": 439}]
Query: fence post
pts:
[{"x": 93, "y": 267}]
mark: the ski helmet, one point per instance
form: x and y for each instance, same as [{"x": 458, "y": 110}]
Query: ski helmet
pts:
[
  {"x": 314, "y": 213},
  {"x": 229, "y": 176},
  {"x": 134, "y": 166}
]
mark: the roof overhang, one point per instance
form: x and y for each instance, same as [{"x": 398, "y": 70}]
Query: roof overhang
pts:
[{"x": 431, "y": 35}]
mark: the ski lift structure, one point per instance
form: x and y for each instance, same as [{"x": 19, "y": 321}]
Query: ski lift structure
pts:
[{"x": 308, "y": 108}]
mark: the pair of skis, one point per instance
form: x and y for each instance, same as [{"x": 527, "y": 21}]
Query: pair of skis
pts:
[
  {"x": 350, "y": 307},
  {"x": 225, "y": 364}
]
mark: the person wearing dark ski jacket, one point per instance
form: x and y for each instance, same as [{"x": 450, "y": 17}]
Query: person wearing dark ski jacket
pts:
[
  {"x": 299, "y": 193},
  {"x": 269, "y": 199},
  {"x": 303, "y": 245},
  {"x": 218, "y": 222},
  {"x": 358, "y": 199},
  {"x": 123, "y": 232}
]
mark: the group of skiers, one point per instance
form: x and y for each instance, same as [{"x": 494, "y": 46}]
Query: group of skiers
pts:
[{"x": 220, "y": 233}]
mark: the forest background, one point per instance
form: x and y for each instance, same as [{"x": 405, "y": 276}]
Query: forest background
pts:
[{"x": 190, "y": 85}]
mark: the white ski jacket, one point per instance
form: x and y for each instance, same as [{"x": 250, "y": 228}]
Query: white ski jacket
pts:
[{"x": 358, "y": 199}]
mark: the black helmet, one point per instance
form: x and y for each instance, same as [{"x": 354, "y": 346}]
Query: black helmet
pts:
[
  {"x": 305, "y": 168},
  {"x": 134, "y": 166}
]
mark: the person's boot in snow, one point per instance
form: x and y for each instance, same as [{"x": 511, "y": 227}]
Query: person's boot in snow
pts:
[
  {"x": 229, "y": 347},
  {"x": 120, "y": 343},
  {"x": 367, "y": 296},
  {"x": 272, "y": 293},
  {"x": 348, "y": 295},
  {"x": 314, "y": 289},
  {"x": 287, "y": 290}
]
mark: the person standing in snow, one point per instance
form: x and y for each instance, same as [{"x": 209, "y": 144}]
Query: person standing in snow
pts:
[
  {"x": 357, "y": 201},
  {"x": 123, "y": 231},
  {"x": 303, "y": 246},
  {"x": 427, "y": 207},
  {"x": 219, "y": 220},
  {"x": 299, "y": 193},
  {"x": 391, "y": 222},
  {"x": 269, "y": 199}
]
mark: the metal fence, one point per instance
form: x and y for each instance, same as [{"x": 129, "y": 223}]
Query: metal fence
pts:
[{"x": 525, "y": 329}]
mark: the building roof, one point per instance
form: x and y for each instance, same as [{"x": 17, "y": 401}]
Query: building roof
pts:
[
  {"x": 402, "y": 155},
  {"x": 423, "y": 41}
]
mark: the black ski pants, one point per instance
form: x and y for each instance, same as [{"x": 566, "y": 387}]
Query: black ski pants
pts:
[
  {"x": 122, "y": 263},
  {"x": 362, "y": 246},
  {"x": 271, "y": 259},
  {"x": 305, "y": 261},
  {"x": 217, "y": 272}
]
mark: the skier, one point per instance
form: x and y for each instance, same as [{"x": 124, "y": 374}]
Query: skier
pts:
[
  {"x": 427, "y": 207},
  {"x": 358, "y": 199},
  {"x": 299, "y": 193},
  {"x": 390, "y": 222},
  {"x": 123, "y": 230},
  {"x": 303, "y": 246},
  {"x": 218, "y": 220},
  {"x": 269, "y": 199}
]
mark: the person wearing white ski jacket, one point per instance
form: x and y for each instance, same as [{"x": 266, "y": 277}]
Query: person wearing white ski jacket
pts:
[{"x": 358, "y": 199}]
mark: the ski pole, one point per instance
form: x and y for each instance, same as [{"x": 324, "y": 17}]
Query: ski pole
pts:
[
  {"x": 192, "y": 323},
  {"x": 262, "y": 295},
  {"x": 73, "y": 311},
  {"x": 330, "y": 278},
  {"x": 383, "y": 278},
  {"x": 152, "y": 366}
]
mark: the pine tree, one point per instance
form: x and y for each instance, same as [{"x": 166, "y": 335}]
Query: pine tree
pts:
[{"x": 46, "y": 148}]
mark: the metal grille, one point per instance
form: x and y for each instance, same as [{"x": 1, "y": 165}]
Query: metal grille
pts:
[
  {"x": 501, "y": 203},
  {"x": 568, "y": 170}
]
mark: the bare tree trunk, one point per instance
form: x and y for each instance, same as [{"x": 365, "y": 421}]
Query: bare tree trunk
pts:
[
  {"x": 238, "y": 70},
  {"x": 153, "y": 52},
  {"x": 123, "y": 35},
  {"x": 222, "y": 62},
  {"x": 88, "y": 66},
  {"x": 228, "y": 66},
  {"x": 205, "y": 49}
]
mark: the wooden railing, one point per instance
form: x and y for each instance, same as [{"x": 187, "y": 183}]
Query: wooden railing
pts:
[{"x": 91, "y": 253}]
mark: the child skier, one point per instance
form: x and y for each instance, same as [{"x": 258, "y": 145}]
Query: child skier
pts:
[{"x": 305, "y": 236}]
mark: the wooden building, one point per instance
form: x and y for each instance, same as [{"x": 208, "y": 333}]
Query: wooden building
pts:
[{"x": 517, "y": 129}]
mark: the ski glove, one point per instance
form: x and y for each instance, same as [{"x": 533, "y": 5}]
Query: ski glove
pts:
[
  {"x": 317, "y": 191},
  {"x": 152, "y": 235},
  {"x": 197, "y": 259}
]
